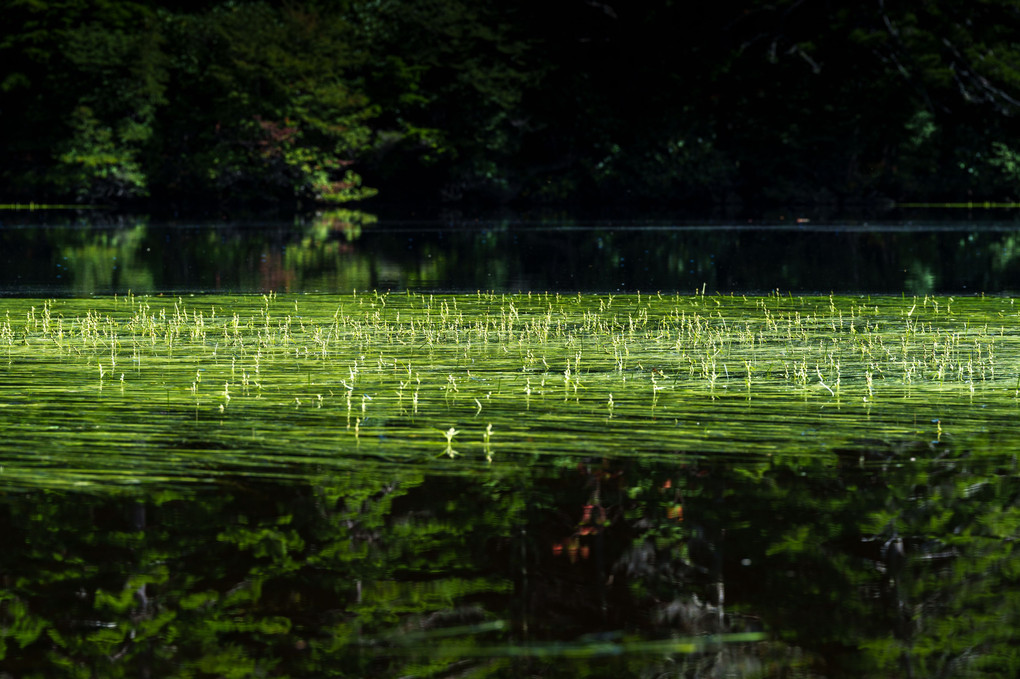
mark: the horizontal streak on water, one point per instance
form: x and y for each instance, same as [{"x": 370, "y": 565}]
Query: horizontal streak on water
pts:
[{"x": 115, "y": 392}]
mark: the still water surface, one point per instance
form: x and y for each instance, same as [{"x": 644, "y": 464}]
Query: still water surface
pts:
[
  {"x": 335, "y": 253},
  {"x": 719, "y": 513}
]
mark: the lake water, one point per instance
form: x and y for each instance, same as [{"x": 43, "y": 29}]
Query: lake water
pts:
[
  {"x": 344, "y": 252},
  {"x": 296, "y": 479}
]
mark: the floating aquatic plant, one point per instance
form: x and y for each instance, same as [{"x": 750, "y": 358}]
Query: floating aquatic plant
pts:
[{"x": 668, "y": 376}]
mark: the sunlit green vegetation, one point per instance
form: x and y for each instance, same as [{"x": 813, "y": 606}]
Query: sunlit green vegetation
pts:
[
  {"x": 467, "y": 380},
  {"x": 388, "y": 484}
]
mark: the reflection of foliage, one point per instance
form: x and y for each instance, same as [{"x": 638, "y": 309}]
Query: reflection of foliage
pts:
[
  {"x": 338, "y": 250},
  {"x": 107, "y": 261},
  {"x": 387, "y": 572},
  {"x": 347, "y": 222},
  {"x": 948, "y": 558},
  {"x": 920, "y": 279}
]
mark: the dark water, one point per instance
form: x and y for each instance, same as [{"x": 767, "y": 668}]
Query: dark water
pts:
[
  {"x": 328, "y": 254},
  {"x": 888, "y": 559},
  {"x": 598, "y": 568}
]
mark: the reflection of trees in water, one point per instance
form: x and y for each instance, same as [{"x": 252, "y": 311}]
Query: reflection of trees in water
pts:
[
  {"x": 812, "y": 556},
  {"x": 343, "y": 250},
  {"x": 106, "y": 261},
  {"x": 78, "y": 259},
  {"x": 872, "y": 567}
]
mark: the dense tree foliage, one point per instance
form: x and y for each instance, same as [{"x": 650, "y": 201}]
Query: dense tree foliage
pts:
[{"x": 579, "y": 101}]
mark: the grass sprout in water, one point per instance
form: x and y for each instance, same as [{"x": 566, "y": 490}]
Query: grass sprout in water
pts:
[{"x": 126, "y": 390}]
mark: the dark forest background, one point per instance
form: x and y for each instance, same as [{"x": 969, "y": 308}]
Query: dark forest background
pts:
[{"x": 567, "y": 103}]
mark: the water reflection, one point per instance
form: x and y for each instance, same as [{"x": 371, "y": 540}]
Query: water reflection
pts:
[
  {"x": 887, "y": 563},
  {"x": 345, "y": 249}
]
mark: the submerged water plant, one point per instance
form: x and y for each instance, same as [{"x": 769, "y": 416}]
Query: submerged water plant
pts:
[
  {"x": 653, "y": 375},
  {"x": 688, "y": 461}
]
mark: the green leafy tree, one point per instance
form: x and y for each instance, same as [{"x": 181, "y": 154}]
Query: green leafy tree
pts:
[
  {"x": 82, "y": 84},
  {"x": 451, "y": 81},
  {"x": 263, "y": 106}
]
